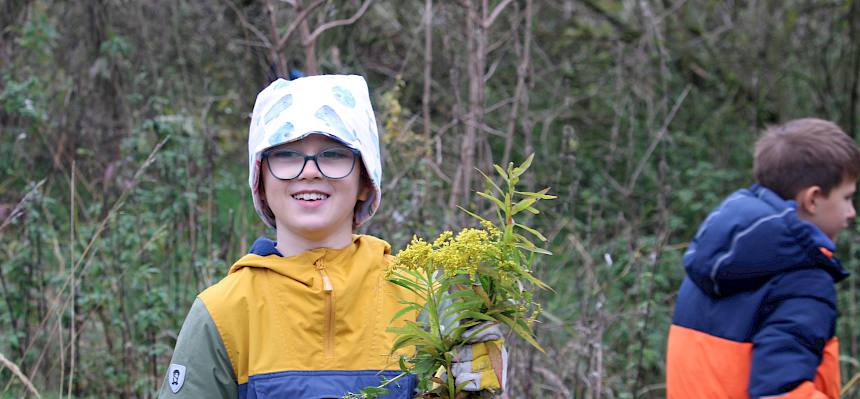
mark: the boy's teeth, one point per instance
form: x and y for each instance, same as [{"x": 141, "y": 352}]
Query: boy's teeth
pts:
[{"x": 310, "y": 196}]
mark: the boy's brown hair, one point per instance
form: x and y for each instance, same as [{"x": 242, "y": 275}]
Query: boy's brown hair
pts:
[{"x": 803, "y": 153}]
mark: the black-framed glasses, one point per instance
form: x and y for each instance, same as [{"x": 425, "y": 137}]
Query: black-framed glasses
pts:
[{"x": 333, "y": 163}]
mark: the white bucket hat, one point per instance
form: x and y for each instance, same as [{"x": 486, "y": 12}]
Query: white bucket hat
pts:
[{"x": 337, "y": 106}]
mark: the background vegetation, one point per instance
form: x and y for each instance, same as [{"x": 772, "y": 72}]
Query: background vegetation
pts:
[{"x": 123, "y": 129}]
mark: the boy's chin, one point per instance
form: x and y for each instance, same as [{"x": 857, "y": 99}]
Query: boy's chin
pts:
[{"x": 315, "y": 231}]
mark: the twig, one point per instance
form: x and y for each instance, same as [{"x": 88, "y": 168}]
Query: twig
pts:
[
  {"x": 72, "y": 225},
  {"x": 244, "y": 20},
  {"x": 340, "y": 22},
  {"x": 660, "y": 134},
  {"x": 850, "y": 384},
  {"x": 520, "y": 93},
  {"x": 303, "y": 15},
  {"x": 626, "y": 31},
  {"x": 428, "y": 61},
  {"x": 15, "y": 370},
  {"x": 496, "y": 11},
  {"x": 18, "y": 208}
]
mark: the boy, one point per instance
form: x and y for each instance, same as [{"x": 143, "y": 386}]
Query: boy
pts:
[
  {"x": 304, "y": 316},
  {"x": 756, "y": 314}
]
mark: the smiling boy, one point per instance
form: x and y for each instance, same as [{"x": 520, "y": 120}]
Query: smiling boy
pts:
[
  {"x": 756, "y": 314},
  {"x": 321, "y": 209},
  {"x": 306, "y": 315}
]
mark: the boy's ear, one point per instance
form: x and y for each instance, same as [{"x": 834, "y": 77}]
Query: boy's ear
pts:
[
  {"x": 364, "y": 191},
  {"x": 365, "y": 184},
  {"x": 261, "y": 188},
  {"x": 807, "y": 199}
]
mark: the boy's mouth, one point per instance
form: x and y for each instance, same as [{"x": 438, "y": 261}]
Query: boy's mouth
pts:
[{"x": 310, "y": 196}]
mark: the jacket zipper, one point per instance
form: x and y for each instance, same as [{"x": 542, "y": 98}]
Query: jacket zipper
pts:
[{"x": 328, "y": 334}]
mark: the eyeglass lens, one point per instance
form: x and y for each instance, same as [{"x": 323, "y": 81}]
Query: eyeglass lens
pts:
[{"x": 333, "y": 163}]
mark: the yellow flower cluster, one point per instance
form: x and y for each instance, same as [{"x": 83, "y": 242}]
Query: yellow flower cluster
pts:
[
  {"x": 415, "y": 256},
  {"x": 460, "y": 254}
]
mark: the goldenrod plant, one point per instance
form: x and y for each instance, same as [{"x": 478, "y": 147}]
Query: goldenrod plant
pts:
[{"x": 465, "y": 281}]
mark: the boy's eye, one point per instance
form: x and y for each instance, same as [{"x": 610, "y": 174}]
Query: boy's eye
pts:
[{"x": 335, "y": 153}]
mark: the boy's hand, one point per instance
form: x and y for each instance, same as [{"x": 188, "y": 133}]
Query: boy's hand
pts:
[{"x": 482, "y": 365}]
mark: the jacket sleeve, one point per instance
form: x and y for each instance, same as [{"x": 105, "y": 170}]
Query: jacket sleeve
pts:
[
  {"x": 200, "y": 367},
  {"x": 797, "y": 320}
]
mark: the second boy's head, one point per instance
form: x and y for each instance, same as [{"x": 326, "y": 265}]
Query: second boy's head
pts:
[
  {"x": 813, "y": 162},
  {"x": 313, "y": 148}
]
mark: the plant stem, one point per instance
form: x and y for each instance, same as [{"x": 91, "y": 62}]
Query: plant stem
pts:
[{"x": 452, "y": 387}]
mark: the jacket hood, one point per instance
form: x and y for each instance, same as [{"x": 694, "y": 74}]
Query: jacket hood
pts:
[
  {"x": 751, "y": 237},
  {"x": 303, "y": 267}
]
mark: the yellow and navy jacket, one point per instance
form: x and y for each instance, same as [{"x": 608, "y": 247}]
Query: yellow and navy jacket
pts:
[
  {"x": 756, "y": 313},
  {"x": 312, "y": 325}
]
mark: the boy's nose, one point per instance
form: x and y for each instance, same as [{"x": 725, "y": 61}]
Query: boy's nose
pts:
[{"x": 310, "y": 171}]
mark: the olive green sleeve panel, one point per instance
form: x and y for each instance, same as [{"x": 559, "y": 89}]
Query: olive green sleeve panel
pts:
[{"x": 200, "y": 367}]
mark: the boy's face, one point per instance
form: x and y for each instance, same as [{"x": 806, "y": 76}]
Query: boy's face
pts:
[
  {"x": 833, "y": 212},
  {"x": 312, "y": 206}
]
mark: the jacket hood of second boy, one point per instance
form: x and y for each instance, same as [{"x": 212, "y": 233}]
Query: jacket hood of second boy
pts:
[{"x": 751, "y": 237}]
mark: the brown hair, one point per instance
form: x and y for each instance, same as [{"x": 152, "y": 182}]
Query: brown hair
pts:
[
  {"x": 802, "y": 153},
  {"x": 364, "y": 182}
]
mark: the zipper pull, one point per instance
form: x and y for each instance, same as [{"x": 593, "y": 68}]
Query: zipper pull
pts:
[{"x": 320, "y": 266}]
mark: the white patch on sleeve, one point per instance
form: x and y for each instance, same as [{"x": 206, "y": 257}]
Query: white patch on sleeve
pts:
[{"x": 175, "y": 377}]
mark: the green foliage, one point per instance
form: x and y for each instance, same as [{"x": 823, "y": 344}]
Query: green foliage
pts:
[
  {"x": 38, "y": 36},
  {"x": 17, "y": 99},
  {"x": 463, "y": 280}
]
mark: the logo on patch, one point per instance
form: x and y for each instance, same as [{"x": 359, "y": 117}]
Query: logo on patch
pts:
[{"x": 175, "y": 377}]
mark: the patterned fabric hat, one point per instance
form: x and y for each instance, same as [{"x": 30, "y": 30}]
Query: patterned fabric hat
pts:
[{"x": 337, "y": 106}]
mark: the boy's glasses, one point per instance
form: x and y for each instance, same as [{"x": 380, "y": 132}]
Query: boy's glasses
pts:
[{"x": 333, "y": 163}]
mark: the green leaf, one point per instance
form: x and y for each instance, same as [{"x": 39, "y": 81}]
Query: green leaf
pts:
[
  {"x": 455, "y": 309},
  {"x": 374, "y": 392},
  {"x": 409, "y": 285},
  {"x": 534, "y": 249},
  {"x": 411, "y": 308},
  {"x": 501, "y": 172},
  {"x": 460, "y": 294},
  {"x": 522, "y": 205},
  {"x": 478, "y": 316},
  {"x": 532, "y": 231},
  {"x": 472, "y": 214},
  {"x": 540, "y": 194},
  {"x": 522, "y": 330},
  {"x": 519, "y": 170},
  {"x": 491, "y": 198},
  {"x": 489, "y": 180}
]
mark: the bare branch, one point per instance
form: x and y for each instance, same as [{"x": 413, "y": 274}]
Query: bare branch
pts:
[
  {"x": 244, "y": 20},
  {"x": 626, "y": 30},
  {"x": 251, "y": 43},
  {"x": 428, "y": 61},
  {"x": 520, "y": 92},
  {"x": 19, "y": 208},
  {"x": 340, "y": 22},
  {"x": 496, "y": 11},
  {"x": 301, "y": 17},
  {"x": 660, "y": 135},
  {"x": 17, "y": 372}
]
